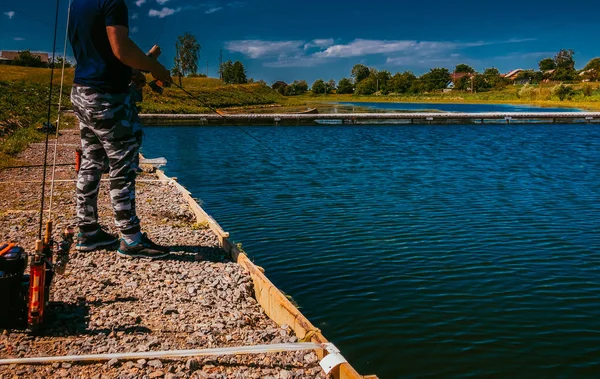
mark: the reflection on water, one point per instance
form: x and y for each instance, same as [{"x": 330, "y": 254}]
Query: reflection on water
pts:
[{"x": 424, "y": 251}]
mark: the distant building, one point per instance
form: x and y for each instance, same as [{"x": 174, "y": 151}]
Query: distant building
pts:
[
  {"x": 279, "y": 86},
  {"x": 458, "y": 75},
  {"x": 6, "y": 57},
  {"x": 513, "y": 74}
]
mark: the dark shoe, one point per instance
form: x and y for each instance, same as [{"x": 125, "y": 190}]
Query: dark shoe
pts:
[
  {"x": 99, "y": 240},
  {"x": 143, "y": 249}
]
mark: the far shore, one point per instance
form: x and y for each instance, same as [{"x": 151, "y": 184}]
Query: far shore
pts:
[{"x": 314, "y": 101}]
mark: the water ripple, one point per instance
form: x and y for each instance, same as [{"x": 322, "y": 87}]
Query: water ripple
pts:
[{"x": 422, "y": 252}]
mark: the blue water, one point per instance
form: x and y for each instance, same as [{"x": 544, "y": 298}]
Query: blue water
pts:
[
  {"x": 421, "y": 251},
  {"x": 446, "y": 107}
]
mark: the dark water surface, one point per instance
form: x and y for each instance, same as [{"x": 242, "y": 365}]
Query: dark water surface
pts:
[{"x": 420, "y": 251}]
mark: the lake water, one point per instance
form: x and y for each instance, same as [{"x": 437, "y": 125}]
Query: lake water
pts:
[{"x": 420, "y": 251}]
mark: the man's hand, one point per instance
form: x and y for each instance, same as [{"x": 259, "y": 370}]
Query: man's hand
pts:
[
  {"x": 138, "y": 78},
  {"x": 154, "y": 52},
  {"x": 161, "y": 73}
]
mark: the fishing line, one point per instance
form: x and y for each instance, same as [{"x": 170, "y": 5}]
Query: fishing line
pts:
[
  {"x": 230, "y": 121},
  {"x": 60, "y": 93},
  {"x": 48, "y": 122}
]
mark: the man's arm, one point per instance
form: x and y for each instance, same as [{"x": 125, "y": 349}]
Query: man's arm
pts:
[{"x": 131, "y": 55}]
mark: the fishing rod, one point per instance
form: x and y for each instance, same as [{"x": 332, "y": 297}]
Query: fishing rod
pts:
[
  {"x": 206, "y": 105},
  {"x": 158, "y": 88}
]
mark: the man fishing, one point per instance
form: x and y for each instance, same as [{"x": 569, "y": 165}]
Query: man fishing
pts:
[{"x": 110, "y": 128}]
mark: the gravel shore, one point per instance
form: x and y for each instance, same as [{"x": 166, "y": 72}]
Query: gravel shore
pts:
[{"x": 196, "y": 298}]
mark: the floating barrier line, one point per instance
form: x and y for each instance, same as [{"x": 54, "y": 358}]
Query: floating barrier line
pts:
[{"x": 258, "y": 349}]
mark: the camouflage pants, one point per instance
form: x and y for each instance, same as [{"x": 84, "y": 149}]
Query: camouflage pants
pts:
[{"x": 110, "y": 134}]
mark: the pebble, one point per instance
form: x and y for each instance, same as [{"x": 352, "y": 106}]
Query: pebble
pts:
[
  {"x": 155, "y": 363},
  {"x": 105, "y": 304}
]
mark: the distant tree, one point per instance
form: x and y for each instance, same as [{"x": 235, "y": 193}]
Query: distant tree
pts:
[
  {"x": 301, "y": 86},
  {"x": 26, "y": 59},
  {"x": 59, "y": 63},
  {"x": 279, "y": 86},
  {"x": 383, "y": 79},
  {"x": 564, "y": 60},
  {"x": 464, "y": 69},
  {"x": 592, "y": 70},
  {"x": 593, "y": 64},
  {"x": 345, "y": 86},
  {"x": 492, "y": 76},
  {"x": 261, "y": 81},
  {"x": 318, "y": 86},
  {"x": 227, "y": 72},
  {"x": 360, "y": 72},
  {"x": 239, "y": 73},
  {"x": 187, "y": 54},
  {"x": 435, "y": 79},
  {"x": 367, "y": 86},
  {"x": 298, "y": 87},
  {"x": 480, "y": 83},
  {"x": 463, "y": 83},
  {"x": 547, "y": 64},
  {"x": 564, "y": 74},
  {"x": 331, "y": 86},
  {"x": 402, "y": 82}
]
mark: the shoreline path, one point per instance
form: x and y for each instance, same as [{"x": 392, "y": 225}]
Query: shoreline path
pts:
[{"x": 197, "y": 298}]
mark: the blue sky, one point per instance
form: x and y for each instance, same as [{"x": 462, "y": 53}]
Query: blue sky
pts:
[{"x": 287, "y": 40}]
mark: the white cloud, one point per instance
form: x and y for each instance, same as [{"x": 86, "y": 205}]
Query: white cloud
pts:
[
  {"x": 161, "y": 2},
  {"x": 319, "y": 43},
  {"x": 163, "y": 12},
  {"x": 140, "y": 2},
  {"x": 10, "y": 14},
  {"x": 361, "y": 47},
  {"x": 135, "y": 16},
  {"x": 213, "y": 10},
  {"x": 135, "y": 29},
  {"x": 397, "y": 52},
  {"x": 19, "y": 39},
  {"x": 264, "y": 49}
]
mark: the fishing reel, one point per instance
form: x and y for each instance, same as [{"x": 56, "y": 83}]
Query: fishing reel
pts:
[{"x": 25, "y": 297}]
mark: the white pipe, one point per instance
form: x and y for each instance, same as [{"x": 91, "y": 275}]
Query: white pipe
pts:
[
  {"x": 102, "y": 180},
  {"x": 259, "y": 349}
]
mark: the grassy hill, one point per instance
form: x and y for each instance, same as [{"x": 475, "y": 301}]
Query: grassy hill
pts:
[{"x": 24, "y": 102}]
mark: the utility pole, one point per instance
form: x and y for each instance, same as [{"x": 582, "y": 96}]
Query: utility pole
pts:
[
  {"x": 221, "y": 65},
  {"x": 472, "y": 85}
]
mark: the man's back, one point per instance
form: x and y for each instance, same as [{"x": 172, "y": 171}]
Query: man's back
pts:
[{"x": 97, "y": 66}]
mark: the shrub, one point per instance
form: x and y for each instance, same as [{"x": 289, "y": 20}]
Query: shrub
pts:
[{"x": 562, "y": 91}]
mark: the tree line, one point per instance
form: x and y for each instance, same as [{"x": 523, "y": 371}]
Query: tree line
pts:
[{"x": 366, "y": 80}]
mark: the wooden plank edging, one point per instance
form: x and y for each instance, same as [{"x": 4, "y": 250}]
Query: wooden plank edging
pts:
[{"x": 274, "y": 303}]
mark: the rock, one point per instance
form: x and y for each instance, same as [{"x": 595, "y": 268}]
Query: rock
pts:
[
  {"x": 192, "y": 365},
  {"x": 66, "y": 365},
  {"x": 284, "y": 374},
  {"x": 113, "y": 362},
  {"x": 155, "y": 363},
  {"x": 156, "y": 374}
]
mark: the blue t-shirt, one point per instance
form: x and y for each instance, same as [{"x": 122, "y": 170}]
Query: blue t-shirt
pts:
[{"x": 97, "y": 66}]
